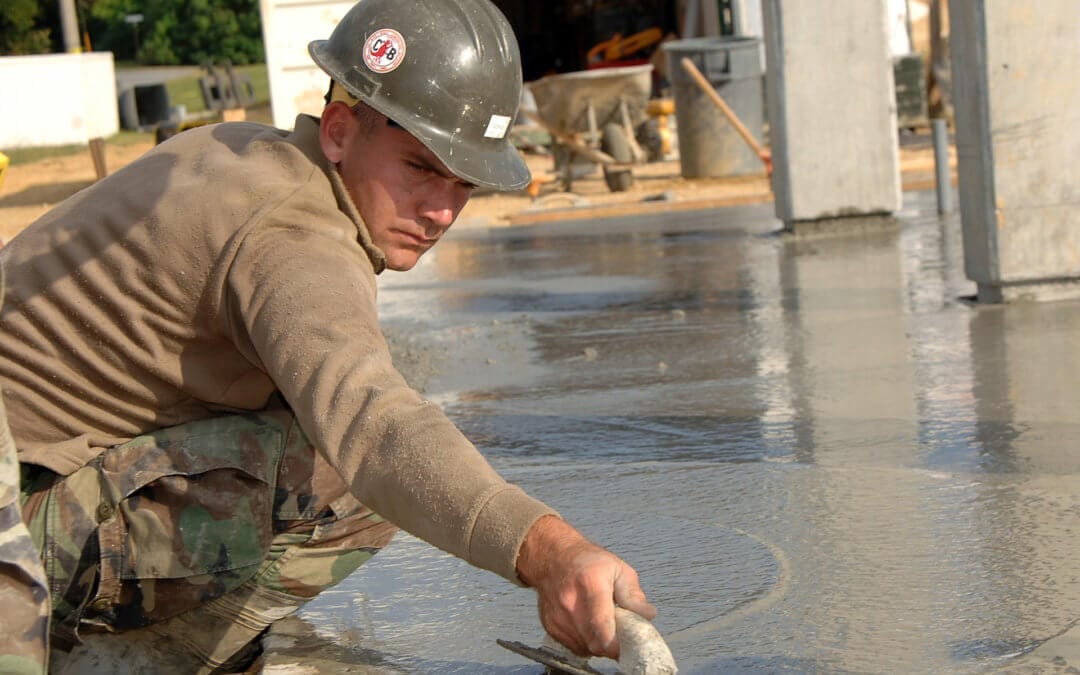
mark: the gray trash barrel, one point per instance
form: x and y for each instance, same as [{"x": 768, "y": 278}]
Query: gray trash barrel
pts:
[
  {"x": 709, "y": 146},
  {"x": 144, "y": 106}
]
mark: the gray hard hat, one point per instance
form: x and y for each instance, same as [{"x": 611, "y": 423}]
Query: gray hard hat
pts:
[{"x": 448, "y": 71}]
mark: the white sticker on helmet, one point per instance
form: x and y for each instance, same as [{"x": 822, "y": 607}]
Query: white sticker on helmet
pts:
[
  {"x": 497, "y": 126},
  {"x": 384, "y": 50}
]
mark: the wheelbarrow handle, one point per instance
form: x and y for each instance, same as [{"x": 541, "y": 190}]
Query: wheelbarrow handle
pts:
[{"x": 566, "y": 139}]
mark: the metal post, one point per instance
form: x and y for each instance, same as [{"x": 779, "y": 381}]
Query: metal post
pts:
[
  {"x": 942, "y": 174},
  {"x": 69, "y": 23},
  {"x": 135, "y": 20},
  {"x": 907, "y": 25}
]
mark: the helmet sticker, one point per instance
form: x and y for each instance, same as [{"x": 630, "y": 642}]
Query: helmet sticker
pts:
[
  {"x": 497, "y": 126},
  {"x": 384, "y": 50}
]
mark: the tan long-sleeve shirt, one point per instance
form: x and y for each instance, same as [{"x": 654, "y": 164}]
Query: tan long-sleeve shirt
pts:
[{"x": 222, "y": 266}]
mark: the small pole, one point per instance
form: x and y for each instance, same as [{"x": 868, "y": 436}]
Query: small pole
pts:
[
  {"x": 69, "y": 24},
  {"x": 942, "y": 174},
  {"x": 97, "y": 154},
  {"x": 135, "y": 20}
]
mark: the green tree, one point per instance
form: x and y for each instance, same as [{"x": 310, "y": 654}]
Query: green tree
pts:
[
  {"x": 21, "y": 29},
  {"x": 108, "y": 30},
  {"x": 175, "y": 32}
]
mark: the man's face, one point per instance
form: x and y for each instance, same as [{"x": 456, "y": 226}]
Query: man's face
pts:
[{"x": 406, "y": 196}]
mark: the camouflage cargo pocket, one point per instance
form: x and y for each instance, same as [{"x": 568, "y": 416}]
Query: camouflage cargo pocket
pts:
[{"x": 184, "y": 517}]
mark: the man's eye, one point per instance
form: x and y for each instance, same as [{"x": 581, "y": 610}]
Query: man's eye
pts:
[{"x": 420, "y": 168}]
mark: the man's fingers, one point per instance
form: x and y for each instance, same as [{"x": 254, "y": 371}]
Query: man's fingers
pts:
[
  {"x": 642, "y": 608},
  {"x": 628, "y": 595},
  {"x": 597, "y": 619},
  {"x": 559, "y": 624},
  {"x": 602, "y": 640},
  {"x": 569, "y": 640},
  {"x": 637, "y": 604}
]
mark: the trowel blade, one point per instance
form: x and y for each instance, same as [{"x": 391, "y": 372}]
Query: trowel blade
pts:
[{"x": 556, "y": 663}]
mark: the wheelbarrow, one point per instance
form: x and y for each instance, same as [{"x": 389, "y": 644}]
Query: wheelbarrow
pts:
[{"x": 592, "y": 115}]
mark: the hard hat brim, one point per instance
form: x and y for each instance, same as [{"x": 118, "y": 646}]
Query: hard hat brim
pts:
[{"x": 496, "y": 166}]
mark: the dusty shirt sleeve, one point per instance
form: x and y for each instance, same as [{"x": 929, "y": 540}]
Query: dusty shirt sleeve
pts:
[{"x": 303, "y": 301}]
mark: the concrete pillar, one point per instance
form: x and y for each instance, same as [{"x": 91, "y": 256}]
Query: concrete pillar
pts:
[
  {"x": 1014, "y": 73},
  {"x": 832, "y": 113}
]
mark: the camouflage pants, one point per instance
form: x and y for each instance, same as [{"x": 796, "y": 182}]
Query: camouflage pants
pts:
[
  {"x": 24, "y": 600},
  {"x": 205, "y": 532}
]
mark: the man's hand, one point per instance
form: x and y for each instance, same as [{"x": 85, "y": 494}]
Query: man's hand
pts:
[{"x": 578, "y": 585}]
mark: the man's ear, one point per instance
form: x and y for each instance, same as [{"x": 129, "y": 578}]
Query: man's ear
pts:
[{"x": 337, "y": 120}]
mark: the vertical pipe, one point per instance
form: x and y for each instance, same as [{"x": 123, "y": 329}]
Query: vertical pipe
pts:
[
  {"x": 942, "y": 175},
  {"x": 70, "y": 25},
  {"x": 907, "y": 25},
  {"x": 938, "y": 92}
]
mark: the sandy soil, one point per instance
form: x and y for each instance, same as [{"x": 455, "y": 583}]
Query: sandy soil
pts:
[{"x": 30, "y": 189}]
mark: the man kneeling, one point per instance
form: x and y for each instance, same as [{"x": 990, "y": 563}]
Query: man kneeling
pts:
[{"x": 210, "y": 426}]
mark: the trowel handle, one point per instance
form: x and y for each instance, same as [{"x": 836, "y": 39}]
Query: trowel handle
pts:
[{"x": 642, "y": 650}]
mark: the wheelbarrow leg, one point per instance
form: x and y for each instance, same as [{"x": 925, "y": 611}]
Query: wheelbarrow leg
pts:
[
  {"x": 631, "y": 135},
  {"x": 593, "y": 140},
  {"x": 564, "y": 160}
]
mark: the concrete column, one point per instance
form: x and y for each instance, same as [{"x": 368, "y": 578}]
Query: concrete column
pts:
[
  {"x": 1014, "y": 85},
  {"x": 832, "y": 113}
]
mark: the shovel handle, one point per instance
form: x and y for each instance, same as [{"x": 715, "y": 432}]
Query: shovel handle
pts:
[{"x": 693, "y": 71}]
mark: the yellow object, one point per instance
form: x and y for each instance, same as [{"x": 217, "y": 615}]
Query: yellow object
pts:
[
  {"x": 3, "y": 167},
  {"x": 657, "y": 107},
  {"x": 619, "y": 47},
  {"x": 660, "y": 109}
]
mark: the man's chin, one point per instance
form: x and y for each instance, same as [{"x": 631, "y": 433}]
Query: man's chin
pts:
[{"x": 402, "y": 261}]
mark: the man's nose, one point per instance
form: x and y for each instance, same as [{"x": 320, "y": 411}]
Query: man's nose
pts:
[{"x": 441, "y": 204}]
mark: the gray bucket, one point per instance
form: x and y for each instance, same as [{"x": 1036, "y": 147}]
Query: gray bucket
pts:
[{"x": 709, "y": 146}]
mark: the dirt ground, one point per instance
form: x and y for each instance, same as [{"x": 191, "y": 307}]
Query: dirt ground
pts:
[{"x": 30, "y": 189}]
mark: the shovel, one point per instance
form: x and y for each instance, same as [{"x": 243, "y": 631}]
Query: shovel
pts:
[{"x": 764, "y": 154}]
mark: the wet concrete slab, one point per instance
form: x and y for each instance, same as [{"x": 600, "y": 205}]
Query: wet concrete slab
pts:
[{"x": 818, "y": 452}]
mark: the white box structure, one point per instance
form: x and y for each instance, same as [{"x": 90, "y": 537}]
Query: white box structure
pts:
[
  {"x": 297, "y": 85},
  {"x": 57, "y": 99}
]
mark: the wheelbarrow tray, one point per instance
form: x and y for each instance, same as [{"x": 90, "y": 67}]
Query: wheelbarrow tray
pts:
[{"x": 563, "y": 100}]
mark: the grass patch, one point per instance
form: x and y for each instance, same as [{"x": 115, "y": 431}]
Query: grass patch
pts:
[
  {"x": 123, "y": 138},
  {"x": 186, "y": 91}
]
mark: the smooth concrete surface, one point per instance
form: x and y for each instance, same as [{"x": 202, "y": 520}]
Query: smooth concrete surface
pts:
[
  {"x": 32, "y": 115},
  {"x": 1017, "y": 140},
  {"x": 819, "y": 453},
  {"x": 831, "y": 110}
]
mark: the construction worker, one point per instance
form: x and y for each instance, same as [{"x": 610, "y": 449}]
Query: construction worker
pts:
[{"x": 210, "y": 426}]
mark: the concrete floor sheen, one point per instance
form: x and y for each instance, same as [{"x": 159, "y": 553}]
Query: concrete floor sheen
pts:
[{"x": 820, "y": 455}]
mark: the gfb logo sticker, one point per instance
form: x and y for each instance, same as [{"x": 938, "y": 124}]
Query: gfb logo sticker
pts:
[{"x": 384, "y": 50}]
